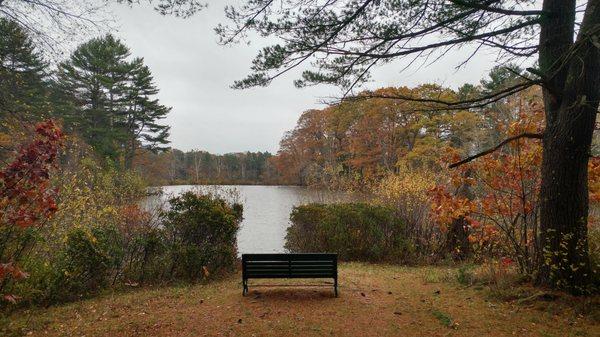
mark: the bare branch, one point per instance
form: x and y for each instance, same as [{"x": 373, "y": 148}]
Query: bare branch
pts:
[{"x": 495, "y": 148}]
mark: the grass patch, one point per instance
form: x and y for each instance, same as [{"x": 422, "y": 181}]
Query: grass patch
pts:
[
  {"x": 464, "y": 275},
  {"x": 443, "y": 318},
  {"x": 437, "y": 275}
]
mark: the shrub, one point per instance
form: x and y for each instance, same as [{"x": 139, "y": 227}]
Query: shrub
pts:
[
  {"x": 202, "y": 232},
  {"x": 356, "y": 231},
  {"x": 145, "y": 258},
  {"x": 86, "y": 264},
  {"x": 100, "y": 236},
  {"x": 26, "y": 201},
  {"x": 465, "y": 275},
  {"x": 407, "y": 192}
]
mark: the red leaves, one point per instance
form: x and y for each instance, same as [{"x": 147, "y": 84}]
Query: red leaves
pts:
[
  {"x": 506, "y": 262},
  {"x": 9, "y": 269},
  {"x": 26, "y": 197},
  {"x": 25, "y": 194}
]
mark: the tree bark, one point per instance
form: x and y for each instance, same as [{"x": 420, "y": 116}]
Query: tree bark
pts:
[{"x": 571, "y": 93}]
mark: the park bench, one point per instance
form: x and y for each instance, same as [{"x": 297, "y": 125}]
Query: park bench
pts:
[{"x": 261, "y": 266}]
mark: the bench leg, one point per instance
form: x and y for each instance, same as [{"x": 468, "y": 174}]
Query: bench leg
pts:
[
  {"x": 244, "y": 287},
  {"x": 335, "y": 286}
]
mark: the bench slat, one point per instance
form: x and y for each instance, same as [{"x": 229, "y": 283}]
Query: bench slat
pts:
[
  {"x": 289, "y": 272},
  {"x": 292, "y": 266},
  {"x": 289, "y": 257},
  {"x": 293, "y": 276},
  {"x": 277, "y": 263}
]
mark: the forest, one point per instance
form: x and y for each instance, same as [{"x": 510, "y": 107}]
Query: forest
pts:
[
  {"x": 175, "y": 167},
  {"x": 474, "y": 203}
]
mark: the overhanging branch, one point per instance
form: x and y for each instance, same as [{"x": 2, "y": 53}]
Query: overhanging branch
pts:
[
  {"x": 495, "y": 148},
  {"x": 441, "y": 104}
]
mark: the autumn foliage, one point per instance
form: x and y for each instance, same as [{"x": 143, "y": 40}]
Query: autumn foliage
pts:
[
  {"x": 358, "y": 142},
  {"x": 26, "y": 196},
  {"x": 502, "y": 211}
]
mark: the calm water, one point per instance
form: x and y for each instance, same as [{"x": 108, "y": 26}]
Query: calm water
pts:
[{"x": 266, "y": 211}]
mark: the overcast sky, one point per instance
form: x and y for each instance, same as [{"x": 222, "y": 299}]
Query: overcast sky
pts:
[{"x": 194, "y": 73}]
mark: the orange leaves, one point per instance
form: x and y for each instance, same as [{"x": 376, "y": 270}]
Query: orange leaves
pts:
[
  {"x": 594, "y": 179},
  {"x": 503, "y": 189},
  {"x": 375, "y": 135},
  {"x": 133, "y": 215},
  {"x": 9, "y": 269},
  {"x": 447, "y": 207}
]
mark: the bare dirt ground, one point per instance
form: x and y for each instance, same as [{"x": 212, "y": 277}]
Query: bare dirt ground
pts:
[{"x": 374, "y": 300}]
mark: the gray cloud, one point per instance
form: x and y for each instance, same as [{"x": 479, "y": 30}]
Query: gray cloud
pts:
[{"x": 194, "y": 74}]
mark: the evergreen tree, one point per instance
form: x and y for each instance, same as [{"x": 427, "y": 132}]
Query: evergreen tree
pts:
[
  {"x": 144, "y": 112},
  {"x": 115, "y": 106},
  {"x": 23, "y": 79},
  {"x": 96, "y": 78},
  {"x": 24, "y": 85}
]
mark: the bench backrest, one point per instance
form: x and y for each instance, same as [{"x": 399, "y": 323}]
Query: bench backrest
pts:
[{"x": 289, "y": 265}]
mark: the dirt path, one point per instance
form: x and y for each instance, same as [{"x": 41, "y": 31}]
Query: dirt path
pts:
[{"x": 373, "y": 301}]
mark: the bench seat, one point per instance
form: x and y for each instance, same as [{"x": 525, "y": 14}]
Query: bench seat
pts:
[{"x": 300, "y": 265}]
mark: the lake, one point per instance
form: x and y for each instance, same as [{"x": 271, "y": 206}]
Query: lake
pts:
[{"x": 266, "y": 211}]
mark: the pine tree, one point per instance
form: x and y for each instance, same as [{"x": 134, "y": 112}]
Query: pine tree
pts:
[
  {"x": 96, "y": 78},
  {"x": 24, "y": 85},
  {"x": 143, "y": 113},
  {"x": 23, "y": 79},
  {"x": 116, "y": 110}
]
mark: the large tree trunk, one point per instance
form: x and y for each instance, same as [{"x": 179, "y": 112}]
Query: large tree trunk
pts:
[{"x": 571, "y": 93}]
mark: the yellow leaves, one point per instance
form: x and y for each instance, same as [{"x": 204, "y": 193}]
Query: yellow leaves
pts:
[
  {"x": 406, "y": 182},
  {"x": 109, "y": 210}
]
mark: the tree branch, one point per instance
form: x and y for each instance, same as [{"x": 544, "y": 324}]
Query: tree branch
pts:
[
  {"x": 412, "y": 50},
  {"x": 472, "y": 4},
  {"x": 456, "y": 105},
  {"x": 495, "y": 148}
]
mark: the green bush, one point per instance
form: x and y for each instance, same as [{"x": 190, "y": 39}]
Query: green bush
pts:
[
  {"x": 202, "y": 231},
  {"x": 356, "y": 231},
  {"x": 87, "y": 264},
  {"x": 146, "y": 257}
]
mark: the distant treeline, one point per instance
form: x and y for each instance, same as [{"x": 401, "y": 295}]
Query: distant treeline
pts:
[{"x": 201, "y": 167}]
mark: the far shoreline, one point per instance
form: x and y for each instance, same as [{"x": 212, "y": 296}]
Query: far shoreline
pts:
[{"x": 226, "y": 184}]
